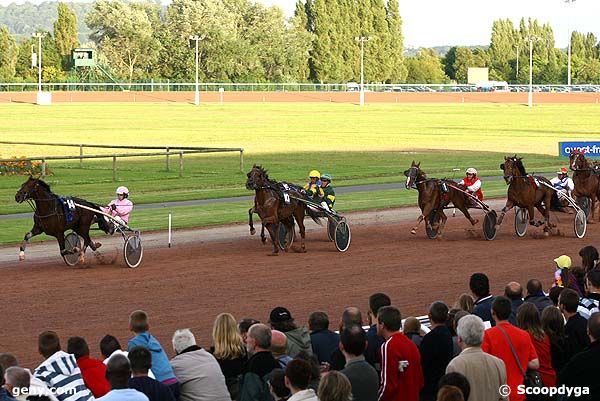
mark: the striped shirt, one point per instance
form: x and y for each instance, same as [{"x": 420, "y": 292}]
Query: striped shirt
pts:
[
  {"x": 589, "y": 305},
  {"x": 63, "y": 377}
]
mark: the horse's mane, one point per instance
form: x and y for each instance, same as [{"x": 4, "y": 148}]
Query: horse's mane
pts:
[
  {"x": 45, "y": 186},
  {"x": 520, "y": 166}
]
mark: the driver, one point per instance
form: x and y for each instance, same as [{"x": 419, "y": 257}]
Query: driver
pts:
[
  {"x": 328, "y": 192},
  {"x": 121, "y": 207},
  {"x": 562, "y": 182},
  {"x": 313, "y": 187},
  {"x": 472, "y": 183}
]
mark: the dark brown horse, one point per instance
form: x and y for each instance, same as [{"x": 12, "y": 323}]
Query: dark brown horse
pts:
[
  {"x": 270, "y": 205},
  {"x": 526, "y": 191},
  {"x": 434, "y": 195},
  {"x": 586, "y": 179},
  {"x": 49, "y": 217}
]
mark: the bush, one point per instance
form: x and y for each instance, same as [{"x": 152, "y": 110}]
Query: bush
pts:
[{"x": 22, "y": 167}]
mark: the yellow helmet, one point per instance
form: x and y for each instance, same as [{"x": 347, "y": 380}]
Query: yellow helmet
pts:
[{"x": 314, "y": 173}]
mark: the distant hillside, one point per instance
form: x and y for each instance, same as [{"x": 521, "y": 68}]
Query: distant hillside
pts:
[
  {"x": 441, "y": 50},
  {"x": 23, "y": 19}
]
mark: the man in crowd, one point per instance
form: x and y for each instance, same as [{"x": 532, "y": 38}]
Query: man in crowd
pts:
[
  {"x": 93, "y": 370},
  {"x": 480, "y": 287},
  {"x": 485, "y": 372},
  {"x": 362, "y": 376},
  {"x": 60, "y": 370},
  {"x": 297, "y": 377},
  {"x": 140, "y": 360},
  {"x": 589, "y": 304},
  {"x": 323, "y": 340},
  {"x": 350, "y": 316},
  {"x": 279, "y": 348},
  {"x": 536, "y": 296},
  {"x": 376, "y": 301},
  {"x": 197, "y": 371},
  {"x": 514, "y": 292},
  {"x": 298, "y": 337},
  {"x": 576, "y": 327},
  {"x": 401, "y": 374},
  {"x": 504, "y": 341},
  {"x": 260, "y": 365},
  {"x": 36, "y": 386},
  {"x": 436, "y": 350},
  {"x": 118, "y": 372},
  {"x": 582, "y": 370}
]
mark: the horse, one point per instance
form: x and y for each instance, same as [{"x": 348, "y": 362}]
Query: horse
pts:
[
  {"x": 525, "y": 192},
  {"x": 434, "y": 195},
  {"x": 272, "y": 209},
  {"x": 49, "y": 217},
  {"x": 586, "y": 179}
]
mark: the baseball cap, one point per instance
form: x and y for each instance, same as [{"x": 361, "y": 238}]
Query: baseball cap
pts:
[
  {"x": 280, "y": 314},
  {"x": 563, "y": 262}
]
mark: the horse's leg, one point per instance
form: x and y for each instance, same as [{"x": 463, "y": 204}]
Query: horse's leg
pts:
[
  {"x": 263, "y": 237},
  {"x": 509, "y": 205},
  {"x": 272, "y": 228},
  {"x": 443, "y": 219},
  {"x": 250, "y": 223},
  {"x": 424, "y": 213},
  {"x": 463, "y": 208},
  {"x": 36, "y": 230},
  {"x": 299, "y": 216}
]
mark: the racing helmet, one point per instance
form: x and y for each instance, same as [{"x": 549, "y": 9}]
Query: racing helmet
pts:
[
  {"x": 563, "y": 170},
  {"x": 326, "y": 177},
  {"x": 122, "y": 190},
  {"x": 471, "y": 170},
  {"x": 314, "y": 173}
]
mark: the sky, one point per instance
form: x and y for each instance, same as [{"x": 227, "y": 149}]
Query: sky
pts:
[{"x": 428, "y": 23}]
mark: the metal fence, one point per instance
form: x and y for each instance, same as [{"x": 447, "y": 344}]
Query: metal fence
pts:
[{"x": 178, "y": 151}]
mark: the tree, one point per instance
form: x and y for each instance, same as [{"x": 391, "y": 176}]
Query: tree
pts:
[
  {"x": 125, "y": 32},
  {"x": 463, "y": 60},
  {"x": 65, "y": 33},
  {"x": 396, "y": 43},
  {"x": 426, "y": 67},
  {"x": 502, "y": 49},
  {"x": 8, "y": 54}
]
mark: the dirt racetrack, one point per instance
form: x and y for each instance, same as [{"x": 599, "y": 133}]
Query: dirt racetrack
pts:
[
  {"x": 318, "y": 97},
  {"x": 188, "y": 286}
]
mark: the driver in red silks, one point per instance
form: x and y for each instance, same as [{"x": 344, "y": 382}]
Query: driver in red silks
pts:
[{"x": 472, "y": 183}]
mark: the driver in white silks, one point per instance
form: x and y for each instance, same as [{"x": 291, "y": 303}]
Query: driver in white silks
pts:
[
  {"x": 121, "y": 207},
  {"x": 563, "y": 185}
]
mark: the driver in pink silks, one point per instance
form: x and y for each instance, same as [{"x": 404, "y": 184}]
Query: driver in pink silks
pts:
[{"x": 120, "y": 207}]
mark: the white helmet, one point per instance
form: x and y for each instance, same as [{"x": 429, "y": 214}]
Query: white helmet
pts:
[
  {"x": 471, "y": 170},
  {"x": 122, "y": 191}
]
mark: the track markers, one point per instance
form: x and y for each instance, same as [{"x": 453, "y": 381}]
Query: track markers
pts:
[{"x": 169, "y": 230}]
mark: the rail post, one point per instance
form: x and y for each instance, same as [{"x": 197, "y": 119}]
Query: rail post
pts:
[
  {"x": 168, "y": 150},
  {"x": 80, "y": 154},
  {"x": 43, "y": 166},
  {"x": 181, "y": 163},
  {"x": 114, "y": 169},
  {"x": 242, "y": 160}
]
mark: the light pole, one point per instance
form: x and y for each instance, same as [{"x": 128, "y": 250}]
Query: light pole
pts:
[
  {"x": 197, "y": 39},
  {"x": 362, "y": 40},
  {"x": 530, "y": 96},
  {"x": 569, "y": 47},
  {"x": 39, "y": 36}
]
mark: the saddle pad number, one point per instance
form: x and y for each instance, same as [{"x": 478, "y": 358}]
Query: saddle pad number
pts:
[{"x": 70, "y": 204}]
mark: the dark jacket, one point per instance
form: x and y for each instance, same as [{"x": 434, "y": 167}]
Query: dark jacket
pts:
[
  {"x": 582, "y": 371},
  {"x": 324, "y": 342},
  {"x": 415, "y": 337},
  {"x": 155, "y": 391},
  {"x": 513, "y": 313},
  {"x": 363, "y": 378},
  {"x": 255, "y": 381},
  {"x": 437, "y": 350},
  {"x": 540, "y": 300},
  {"x": 483, "y": 309},
  {"x": 4, "y": 396},
  {"x": 374, "y": 345},
  {"x": 576, "y": 334}
]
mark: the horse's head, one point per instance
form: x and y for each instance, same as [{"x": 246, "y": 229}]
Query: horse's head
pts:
[
  {"x": 512, "y": 167},
  {"x": 577, "y": 160},
  {"x": 28, "y": 188},
  {"x": 412, "y": 174},
  {"x": 257, "y": 177}
]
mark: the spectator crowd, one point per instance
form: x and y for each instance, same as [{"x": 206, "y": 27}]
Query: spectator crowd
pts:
[{"x": 488, "y": 347}]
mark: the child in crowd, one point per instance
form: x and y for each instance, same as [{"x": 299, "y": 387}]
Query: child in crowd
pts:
[{"x": 138, "y": 324}]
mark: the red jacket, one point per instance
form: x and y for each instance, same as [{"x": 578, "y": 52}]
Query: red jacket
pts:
[
  {"x": 467, "y": 182},
  {"x": 400, "y": 383},
  {"x": 94, "y": 375}
]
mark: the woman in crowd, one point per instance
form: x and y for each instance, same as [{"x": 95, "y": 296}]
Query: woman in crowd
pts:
[
  {"x": 528, "y": 319},
  {"x": 465, "y": 302},
  {"x": 335, "y": 387},
  {"x": 230, "y": 352},
  {"x": 553, "y": 324},
  {"x": 589, "y": 258}
]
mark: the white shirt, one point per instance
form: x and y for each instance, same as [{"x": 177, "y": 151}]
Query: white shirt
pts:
[
  {"x": 304, "y": 395},
  {"x": 566, "y": 184},
  {"x": 125, "y": 353}
]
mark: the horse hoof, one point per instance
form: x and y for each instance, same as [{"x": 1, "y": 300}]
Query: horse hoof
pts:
[
  {"x": 21, "y": 256},
  {"x": 252, "y": 231},
  {"x": 413, "y": 231},
  {"x": 475, "y": 221},
  {"x": 97, "y": 245}
]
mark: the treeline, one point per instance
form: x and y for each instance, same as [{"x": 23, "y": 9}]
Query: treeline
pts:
[{"x": 244, "y": 41}]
